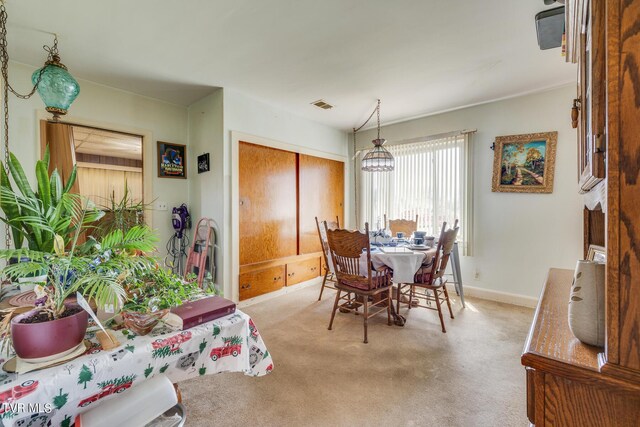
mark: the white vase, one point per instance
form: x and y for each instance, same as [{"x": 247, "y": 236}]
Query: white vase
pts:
[{"x": 586, "y": 303}]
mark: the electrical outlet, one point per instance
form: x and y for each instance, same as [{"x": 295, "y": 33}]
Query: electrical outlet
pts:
[
  {"x": 477, "y": 275},
  {"x": 161, "y": 206}
]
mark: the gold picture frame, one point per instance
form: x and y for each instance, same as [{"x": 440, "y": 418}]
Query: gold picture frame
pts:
[
  {"x": 597, "y": 253},
  {"x": 524, "y": 163}
]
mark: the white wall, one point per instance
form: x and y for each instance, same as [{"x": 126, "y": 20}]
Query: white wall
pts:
[
  {"x": 111, "y": 108},
  {"x": 244, "y": 114},
  {"x": 518, "y": 237},
  {"x": 206, "y": 190}
]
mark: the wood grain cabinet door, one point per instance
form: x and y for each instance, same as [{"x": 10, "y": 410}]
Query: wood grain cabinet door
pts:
[
  {"x": 267, "y": 211},
  {"x": 301, "y": 271},
  {"x": 261, "y": 282},
  {"x": 321, "y": 194}
]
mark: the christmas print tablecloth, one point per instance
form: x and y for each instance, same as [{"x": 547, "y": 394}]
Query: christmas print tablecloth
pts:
[{"x": 54, "y": 396}]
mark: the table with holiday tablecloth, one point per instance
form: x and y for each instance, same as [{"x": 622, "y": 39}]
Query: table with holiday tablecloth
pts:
[{"x": 55, "y": 395}]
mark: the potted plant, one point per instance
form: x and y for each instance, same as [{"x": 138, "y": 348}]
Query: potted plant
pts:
[
  {"x": 151, "y": 295},
  {"x": 39, "y": 215},
  {"x": 121, "y": 214},
  {"x": 97, "y": 270}
]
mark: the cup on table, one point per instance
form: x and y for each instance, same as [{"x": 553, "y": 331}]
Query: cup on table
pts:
[
  {"x": 400, "y": 235},
  {"x": 418, "y": 241}
]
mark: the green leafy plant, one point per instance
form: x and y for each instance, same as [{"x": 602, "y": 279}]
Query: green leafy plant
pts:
[
  {"x": 159, "y": 289},
  {"x": 121, "y": 214},
  {"x": 95, "y": 269},
  {"x": 48, "y": 211}
]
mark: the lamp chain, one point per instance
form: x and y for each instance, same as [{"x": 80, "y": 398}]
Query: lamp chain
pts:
[
  {"x": 378, "y": 111},
  {"x": 6, "y": 88},
  {"x": 355, "y": 159},
  {"x": 355, "y": 180}
]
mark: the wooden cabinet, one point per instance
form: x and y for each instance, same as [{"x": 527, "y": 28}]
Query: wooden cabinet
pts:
[
  {"x": 570, "y": 383},
  {"x": 321, "y": 194},
  {"x": 261, "y": 282},
  {"x": 301, "y": 271},
  {"x": 280, "y": 194},
  {"x": 267, "y": 179},
  {"x": 565, "y": 385},
  {"x": 590, "y": 20}
]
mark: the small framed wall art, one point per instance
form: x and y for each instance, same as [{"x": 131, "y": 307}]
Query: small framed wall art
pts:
[
  {"x": 203, "y": 163},
  {"x": 172, "y": 160},
  {"x": 524, "y": 163}
]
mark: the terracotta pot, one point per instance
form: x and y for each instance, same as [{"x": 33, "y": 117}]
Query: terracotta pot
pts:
[
  {"x": 142, "y": 323},
  {"x": 40, "y": 342}
]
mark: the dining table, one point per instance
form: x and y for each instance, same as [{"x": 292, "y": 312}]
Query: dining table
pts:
[{"x": 404, "y": 260}]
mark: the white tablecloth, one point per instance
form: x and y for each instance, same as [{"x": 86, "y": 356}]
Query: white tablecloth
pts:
[{"x": 404, "y": 265}]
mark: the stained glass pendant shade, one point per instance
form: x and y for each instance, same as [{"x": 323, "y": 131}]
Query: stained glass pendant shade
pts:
[
  {"x": 57, "y": 88},
  {"x": 378, "y": 159}
]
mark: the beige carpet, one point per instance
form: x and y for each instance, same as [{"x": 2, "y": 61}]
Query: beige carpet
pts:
[{"x": 415, "y": 375}]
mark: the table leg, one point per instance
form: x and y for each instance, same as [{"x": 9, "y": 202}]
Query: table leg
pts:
[
  {"x": 398, "y": 319},
  {"x": 457, "y": 276}
]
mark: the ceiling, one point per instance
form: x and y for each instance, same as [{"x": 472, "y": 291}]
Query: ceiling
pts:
[
  {"x": 417, "y": 56},
  {"x": 107, "y": 143}
]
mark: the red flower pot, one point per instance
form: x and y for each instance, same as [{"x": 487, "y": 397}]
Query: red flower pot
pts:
[{"x": 40, "y": 342}]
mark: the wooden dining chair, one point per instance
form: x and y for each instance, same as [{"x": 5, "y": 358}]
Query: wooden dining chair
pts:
[
  {"x": 328, "y": 268},
  {"x": 405, "y": 226},
  {"x": 429, "y": 282},
  {"x": 371, "y": 287}
]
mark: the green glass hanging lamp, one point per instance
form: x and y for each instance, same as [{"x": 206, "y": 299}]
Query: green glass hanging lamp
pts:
[{"x": 57, "y": 88}]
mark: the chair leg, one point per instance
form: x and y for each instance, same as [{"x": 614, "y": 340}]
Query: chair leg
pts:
[
  {"x": 412, "y": 293},
  {"x": 389, "y": 293},
  {"x": 324, "y": 281},
  {"x": 335, "y": 307},
  {"x": 446, "y": 295},
  {"x": 398, "y": 295},
  {"x": 435, "y": 293},
  {"x": 366, "y": 317}
]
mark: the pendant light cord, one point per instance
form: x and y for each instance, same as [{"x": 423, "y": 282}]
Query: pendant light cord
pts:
[{"x": 355, "y": 156}]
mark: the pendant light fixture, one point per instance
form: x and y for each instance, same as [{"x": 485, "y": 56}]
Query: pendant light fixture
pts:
[
  {"x": 57, "y": 88},
  {"x": 378, "y": 159}
]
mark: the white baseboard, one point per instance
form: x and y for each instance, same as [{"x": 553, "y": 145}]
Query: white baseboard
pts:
[
  {"x": 283, "y": 291},
  {"x": 506, "y": 297},
  {"x": 472, "y": 291}
]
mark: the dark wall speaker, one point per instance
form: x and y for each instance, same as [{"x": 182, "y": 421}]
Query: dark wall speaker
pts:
[{"x": 550, "y": 27}]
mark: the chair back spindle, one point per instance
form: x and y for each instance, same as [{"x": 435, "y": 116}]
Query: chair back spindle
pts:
[{"x": 345, "y": 248}]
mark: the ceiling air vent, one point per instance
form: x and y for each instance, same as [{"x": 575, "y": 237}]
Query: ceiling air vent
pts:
[{"x": 321, "y": 104}]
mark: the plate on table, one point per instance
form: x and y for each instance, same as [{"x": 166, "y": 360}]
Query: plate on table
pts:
[{"x": 419, "y": 247}]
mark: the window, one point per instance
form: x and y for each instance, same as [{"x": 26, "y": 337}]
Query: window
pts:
[{"x": 431, "y": 179}]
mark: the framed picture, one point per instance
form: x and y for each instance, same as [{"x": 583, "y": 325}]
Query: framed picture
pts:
[
  {"x": 172, "y": 160},
  {"x": 203, "y": 163},
  {"x": 524, "y": 163},
  {"x": 597, "y": 253}
]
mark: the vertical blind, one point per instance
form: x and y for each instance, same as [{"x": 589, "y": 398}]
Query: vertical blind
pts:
[{"x": 431, "y": 179}]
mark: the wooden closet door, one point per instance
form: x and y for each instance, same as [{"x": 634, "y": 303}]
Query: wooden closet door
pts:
[
  {"x": 321, "y": 194},
  {"x": 267, "y": 203}
]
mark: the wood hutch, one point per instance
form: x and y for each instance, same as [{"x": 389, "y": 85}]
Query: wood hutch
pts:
[
  {"x": 281, "y": 193},
  {"x": 570, "y": 383}
]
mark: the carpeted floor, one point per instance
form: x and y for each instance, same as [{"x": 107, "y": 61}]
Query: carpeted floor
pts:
[{"x": 415, "y": 375}]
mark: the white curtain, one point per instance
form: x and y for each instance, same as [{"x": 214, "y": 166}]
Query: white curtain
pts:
[{"x": 431, "y": 179}]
